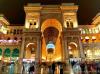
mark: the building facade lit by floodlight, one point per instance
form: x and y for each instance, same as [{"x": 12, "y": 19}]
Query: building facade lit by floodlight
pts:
[{"x": 57, "y": 24}]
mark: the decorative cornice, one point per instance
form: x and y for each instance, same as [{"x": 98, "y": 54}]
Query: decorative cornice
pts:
[{"x": 3, "y": 19}]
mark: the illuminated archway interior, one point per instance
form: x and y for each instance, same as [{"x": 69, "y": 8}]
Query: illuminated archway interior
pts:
[
  {"x": 30, "y": 51},
  {"x": 51, "y": 32},
  {"x": 73, "y": 50}
]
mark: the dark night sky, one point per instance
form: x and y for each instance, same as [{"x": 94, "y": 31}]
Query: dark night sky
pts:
[{"x": 14, "y": 9}]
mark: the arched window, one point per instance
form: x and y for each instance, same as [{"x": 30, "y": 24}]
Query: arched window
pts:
[
  {"x": 87, "y": 31},
  {"x": 67, "y": 23},
  {"x": 11, "y": 31},
  {"x": 31, "y": 24},
  {"x": 71, "y": 24},
  {"x": 18, "y": 31},
  {"x": 14, "y": 31},
  {"x": 15, "y": 52},
  {"x": 34, "y": 22},
  {"x": 7, "y": 52},
  {"x": 90, "y": 30}
]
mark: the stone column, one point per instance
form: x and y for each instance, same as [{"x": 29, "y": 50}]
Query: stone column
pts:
[
  {"x": 21, "y": 56},
  {"x": 22, "y": 48},
  {"x": 66, "y": 50},
  {"x": 63, "y": 51},
  {"x": 67, "y": 69},
  {"x": 38, "y": 55}
]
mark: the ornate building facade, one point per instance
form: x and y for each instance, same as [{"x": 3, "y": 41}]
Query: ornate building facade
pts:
[{"x": 51, "y": 33}]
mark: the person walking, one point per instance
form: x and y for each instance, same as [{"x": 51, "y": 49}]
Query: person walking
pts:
[
  {"x": 98, "y": 68},
  {"x": 82, "y": 65},
  {"x": 77, "y": 68},
  {"x": 61, "y": 69},
  {"x": 31, "y": 70},
  {"x": 53, "y": 68}
]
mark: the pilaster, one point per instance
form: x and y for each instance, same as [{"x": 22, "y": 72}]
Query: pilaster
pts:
[
  {"x": 82, "y": 55},
  {"x": 21, "y": 55}
]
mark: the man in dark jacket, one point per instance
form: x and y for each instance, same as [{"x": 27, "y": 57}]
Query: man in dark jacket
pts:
[
  {"x": 53, "y": 67},
  {"x": 82, "y": 65},
  {"x": 31, "y": 69}
]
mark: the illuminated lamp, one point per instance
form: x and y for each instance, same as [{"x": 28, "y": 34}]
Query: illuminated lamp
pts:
[
  {"x": 70, "y": 52},
  {"x": 50, "y": 47},
  {"x": 93, "y": 38},
  {"x": 86, "y": 39}
]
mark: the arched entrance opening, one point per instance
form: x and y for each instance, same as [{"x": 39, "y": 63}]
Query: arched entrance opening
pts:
[
  {"x": 51, "y": 43},
  {"x": 30, "y": 51},
  {"x": 73, "y": 50},
  {"x": 30, "y": 56}
]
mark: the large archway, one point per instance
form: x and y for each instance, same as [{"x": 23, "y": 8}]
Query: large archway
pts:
[
  {"x": 51, "y": 31},
  {"x": 73, "y": 50},
  {"x": 30, "y": 51}
]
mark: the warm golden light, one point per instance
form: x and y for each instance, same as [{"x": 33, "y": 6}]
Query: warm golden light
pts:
[
  {"x": 51, "y": 23},
  {"x": 74, "y": 50},
  {"x": 93, "y": 37},
  {"x": 30, "y": 51},
  {"x": 57, "y": 53},
  {"x": 87, "y": 37}
]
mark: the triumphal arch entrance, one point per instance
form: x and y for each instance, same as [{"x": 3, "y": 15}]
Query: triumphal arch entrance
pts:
[{"x": 51, "y": 33}]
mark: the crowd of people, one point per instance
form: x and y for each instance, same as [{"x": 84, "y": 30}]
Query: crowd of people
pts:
[
  {"x": 85, "y": 67},
  {"x": 52, "y": 68},
  {"x": 28, "y": 68},
  {"x": 78, "y": 67}
]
